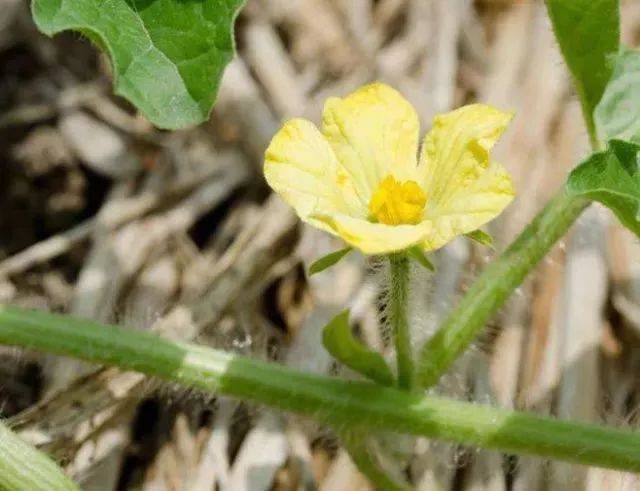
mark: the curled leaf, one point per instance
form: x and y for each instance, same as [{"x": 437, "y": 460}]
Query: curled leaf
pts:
[{"x": 338, "y": 340}]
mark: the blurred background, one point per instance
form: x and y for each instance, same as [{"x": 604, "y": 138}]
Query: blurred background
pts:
[{"x": 105, "y": 217}]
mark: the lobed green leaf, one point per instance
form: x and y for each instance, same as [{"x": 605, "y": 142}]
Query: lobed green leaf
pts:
[
  {"x": 167, "y": 55},
  {"x": 338, "y": 339},
  {"x": 617, "y": 115},
  {"x": 612, "y": 177},
  {"x": 588, "y": 32}
]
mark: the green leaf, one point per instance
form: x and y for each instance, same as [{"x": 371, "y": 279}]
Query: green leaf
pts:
[
  {"x": 338, "y": 340},
  {"x": 167, "y": 55},
  {"x": 588, "y": 32},
  {"x": 481, "y": 237},
  {"x": 23, "y": 467},
  {"x": 618, "y": 113},
  {"x": 418, "y": 255},
  {"x": 327, "y": 261},
  {"x": 613, "y": 178}
]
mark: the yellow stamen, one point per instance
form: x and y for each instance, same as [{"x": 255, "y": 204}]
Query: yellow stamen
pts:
[{"x": 396, "y": 203}]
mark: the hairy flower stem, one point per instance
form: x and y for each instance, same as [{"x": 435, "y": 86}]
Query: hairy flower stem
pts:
[
  {"x": 398, "y": 298},
  {"x": 345, "y": 404},
  {"x": 355, "y": 441},
  {"x": 494, "y": 285},
  {"x": 24, "y": 467}
]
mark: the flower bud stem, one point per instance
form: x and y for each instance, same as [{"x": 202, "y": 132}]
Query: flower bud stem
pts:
[{"x": 398, "y": 298}]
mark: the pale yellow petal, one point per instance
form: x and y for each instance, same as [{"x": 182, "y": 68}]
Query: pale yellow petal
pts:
[
  {"x": 471, "y": 206},
  {"x": 302, "y": 168},
  {"x": 374, "y": 133},
  {"x": 375, "y": 238},
  {"x": 464, "y": 188},
  {"x": 456, "y": 151}
]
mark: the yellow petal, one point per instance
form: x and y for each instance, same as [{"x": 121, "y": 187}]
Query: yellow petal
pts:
[
  {"x": 471, "y": 207},
  {"x": 465, "y": 189},
  {"x": 456, "y": 150},
  {"x": 375, "y": 238},
  {"x": 374, "y": 133},
  {"x": 301, "y": 167}
]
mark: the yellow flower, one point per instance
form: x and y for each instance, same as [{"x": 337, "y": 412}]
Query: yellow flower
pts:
[{"x": 360, "y": 177}]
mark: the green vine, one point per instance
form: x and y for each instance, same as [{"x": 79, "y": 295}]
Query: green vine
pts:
[{"x": 340, "y": 403}]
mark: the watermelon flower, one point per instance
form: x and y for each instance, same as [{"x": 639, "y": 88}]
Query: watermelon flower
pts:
[{"x": 360, "y": 176}]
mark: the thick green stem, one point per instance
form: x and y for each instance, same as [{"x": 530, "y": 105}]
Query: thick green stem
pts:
[
  {"x": 494, "y": 285},
  {"x": 344, "y": 404},
  {"x": 23, "y": 468},
  {"x": 398, "y": 298}
]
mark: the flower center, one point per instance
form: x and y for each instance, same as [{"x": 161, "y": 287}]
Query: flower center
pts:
[{"x": 396, "y": 203}]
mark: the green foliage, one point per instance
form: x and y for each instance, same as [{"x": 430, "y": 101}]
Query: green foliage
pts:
[
  {"x": 327, "y": 261},
  {"x": 344, "y": 347},
  {"x": 588, "y": 32},
  {"x": 22, "y": 467},
  {"x": 481, "y": 237},
  {"x": 618, "y": 113},
  {"x": 167, "y": 55},
  {"x": 612, "y": 178},
  {"x": 344, "y": 404},
  {"x": 416, "y": 253}
]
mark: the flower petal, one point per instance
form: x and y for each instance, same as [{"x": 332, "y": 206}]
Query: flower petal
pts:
[
  {"x": 301, "y": 167},
  {"x": 374, "y": 238},
  {"x": 374, "y": 133},
  {"x": 470, "y": 207},
  {"x": 464, "y": 188},
  {"x": 456, "y": 150}
]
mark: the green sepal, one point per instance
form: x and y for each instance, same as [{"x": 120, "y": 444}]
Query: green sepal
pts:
[
  {"x": 327, "y": 261},
  {"x": 338, "y": 340},
  {"x": 419, "y": 256},
  {"x": 481, "y": 237}
]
